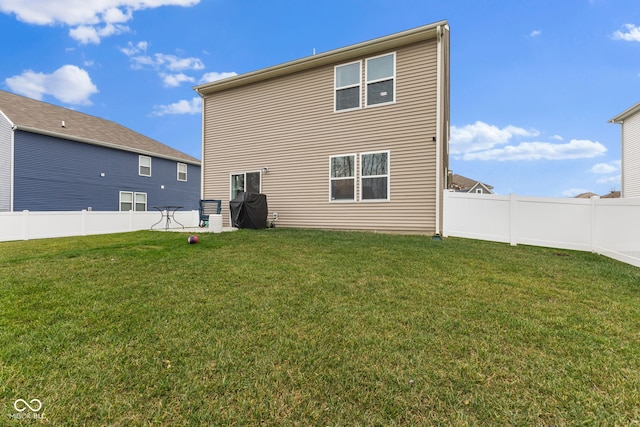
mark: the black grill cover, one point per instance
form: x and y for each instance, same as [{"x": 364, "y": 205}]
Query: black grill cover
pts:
[{"x": 249, "y": 210}]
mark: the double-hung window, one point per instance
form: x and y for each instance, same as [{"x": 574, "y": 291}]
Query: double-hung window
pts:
[
  {"x": 144, "y": 165},
  {"x": 130, "y": 201},
  {"x": 342, "y": 177},
  {"x": 249, "y": 182},
  {"x": 381, "y": 77},
  {"x": 374, "y": 176},
  {"x": 347, "y": 86},
  {"x": 370, "y": 173},
  {"x": 379, "y": 82},
  {"x": 182, "y": 171}
]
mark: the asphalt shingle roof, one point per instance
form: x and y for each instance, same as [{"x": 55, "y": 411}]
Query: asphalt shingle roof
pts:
[{"x": 40, "y": 117}]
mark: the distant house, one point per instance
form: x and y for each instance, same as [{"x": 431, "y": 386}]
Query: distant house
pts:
[
  {"x": 611, "y": 195},
  {"x": 586, "y": 195},
  {"x": 463, "y": 184},
  {"x": 353, "y": 138},
  {"x": 630, "y": 121},
  {"x": 56, "y": 159}
]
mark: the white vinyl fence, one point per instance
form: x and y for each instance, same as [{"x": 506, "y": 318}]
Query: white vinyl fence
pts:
[
  {"x": 609, "y": 227},
  {"x": 27, "y": 225}
]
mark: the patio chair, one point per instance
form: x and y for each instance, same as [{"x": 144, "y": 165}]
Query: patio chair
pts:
[{"x": 209, "y": 207}]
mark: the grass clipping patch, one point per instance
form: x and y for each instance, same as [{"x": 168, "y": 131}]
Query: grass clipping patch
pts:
[{"x": 288, "y": 327}]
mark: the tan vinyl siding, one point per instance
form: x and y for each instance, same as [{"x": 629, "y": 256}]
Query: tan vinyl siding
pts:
[{"x": 288, "y": 124}]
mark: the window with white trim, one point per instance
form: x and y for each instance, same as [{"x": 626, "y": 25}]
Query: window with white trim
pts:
[
  {"x": 144, "y": 165},
  {"x": 130, "y": 200},
  {"x": 182, "y": 171},
  {"x": 374, "y": 176},
  {"x": 249, "y": 182},
  {"x": 126, "y": 201},
  {"x": 141, "y": 202},
  {"x": 381, "y": 78},
  {"x": 347, "y": 86},
  {"x": 379, "y": 82},
  {"x": 342, "y": 178}
]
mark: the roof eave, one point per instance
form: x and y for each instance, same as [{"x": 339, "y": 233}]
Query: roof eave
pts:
[
  {"x": 626, "y": 114},
  {"x": 102, "y": 143},
  {"x": 392, "y": 41}
]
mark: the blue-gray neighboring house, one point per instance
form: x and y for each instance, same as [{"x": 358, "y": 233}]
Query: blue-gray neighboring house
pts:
[{"x": 56, "y": 159}]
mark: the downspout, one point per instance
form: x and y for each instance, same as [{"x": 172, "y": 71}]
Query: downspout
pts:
[
  {"x": 438, "y": 129},
  {"x": 12, "y": 160},
  {"x": 201, "y": 146}
]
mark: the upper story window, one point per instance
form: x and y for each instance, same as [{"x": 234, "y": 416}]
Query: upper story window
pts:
[
  {"x": 381, "y": 77},
  {"x": 342, "y": 177},
  {"x": 379, "y": 82},
  {"x": 347, "y": 86},
  {"x": 144, "y": 165},
  {"x": 182, "y": 171}
]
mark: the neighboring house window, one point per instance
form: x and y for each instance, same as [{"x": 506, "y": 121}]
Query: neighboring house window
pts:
[
  {"x": 141, "y": 202},
  {"x": 182, "y": 171},
  {"x": 126, "y": 201},
  {"x": 381, "y": 72},
  {"x": 374, "y": 176},
  {"x": 347, "y": 86},
  {"x": 342, "y": 177},
  {"x": 133, "y": 201},
  {"x": 479, "y": 190},
  {"x": 245, "y": 182},
  {"x": 144, "y": 165}
]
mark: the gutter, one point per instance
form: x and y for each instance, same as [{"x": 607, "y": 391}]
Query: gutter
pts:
[
  {"x": 441, "y": 136},
  {"x": 620, "y": 118},
  {"x": 100, "y": 143}
]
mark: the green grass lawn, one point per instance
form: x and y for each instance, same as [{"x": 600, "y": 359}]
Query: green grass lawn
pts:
[{"x": 315, "y": 328}]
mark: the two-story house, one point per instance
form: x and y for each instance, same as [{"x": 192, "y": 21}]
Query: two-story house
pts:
[
  {"x": 56, "y": 159},
  {"x": 353, "y": 138}
]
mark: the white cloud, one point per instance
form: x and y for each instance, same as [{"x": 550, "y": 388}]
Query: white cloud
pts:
[
  {"x": 575, "y": 149},
  {"x": 213, "y": 76},
  {"x": 174, "y": 63},
  {"x": 629, "y": 33},
  {"x": 535, "y": 33},
  {"x": 609, "y": 179},
  {"x": 482, "y": 136},
  {"x": 481, "y": 141},
  {"x": 606, "y": 168},
  {"x": 170, "y": 68},
  {"x": 193, "y": 106},
  {"x": 84, "y": 15},
  {"x": 175, "y": 80},
  {"x": 86, "y": 34},
  {"x": 134, "y": 49},
  {"x": 68, "y": 84},
  {"x": 557, "y": 138}
]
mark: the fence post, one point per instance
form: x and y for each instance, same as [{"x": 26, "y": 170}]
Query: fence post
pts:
[
  {"x": 445, "y": 206},
  {"x": 83, "y": 226},
  {"x": 25, "y": 224},
  {"x": 593, "y": 217},
  {"x": 513, "y": 219}
]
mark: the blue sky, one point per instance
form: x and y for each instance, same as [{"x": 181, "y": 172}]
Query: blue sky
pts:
[{"x": 533, "y": 82}]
